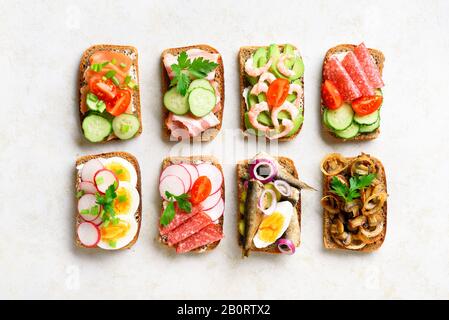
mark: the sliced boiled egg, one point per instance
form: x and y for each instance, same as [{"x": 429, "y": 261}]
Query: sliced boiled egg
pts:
[
  {"x": 273, "y": 226},
  {"x": 122, "y": 168},
  {"x": 127, "y": 201},
  {"x": 116, "y": 236}
]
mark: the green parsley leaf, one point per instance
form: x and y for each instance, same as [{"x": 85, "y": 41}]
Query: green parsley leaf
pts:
[
  {"x": 200, "y": 67},
  {"x": 107, "y": 201},
  {"x": 339, "y": 187},
  {"x": 168, "y": 214},
  {"x": 356, "y": 184}
]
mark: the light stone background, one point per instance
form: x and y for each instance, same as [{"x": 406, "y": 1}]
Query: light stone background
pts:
[{"x": 41, "y": 43}]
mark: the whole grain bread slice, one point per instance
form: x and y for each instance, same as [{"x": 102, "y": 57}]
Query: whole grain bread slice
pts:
[
  {"x": 379, "y": 58},
  {"x": 138, "y": 215},
  {"x": 244, "y": 54},
  {"x": 242, "y": 174},
  {"x": 210, "y": 134},
  {"x": 177, "y": 160},
  {"x": 130, "y": 52}
]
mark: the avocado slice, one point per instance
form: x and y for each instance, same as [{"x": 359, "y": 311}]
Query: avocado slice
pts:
[
  {"x": 264, "y": 118},
  {"x": 261, "y": 97},
  {"x": 289, "y": 49},
  {"x": 283, "y": 115},
  {"x": 252, "y": 80},
  {"x": 296, "y": 125},
  {"x": 260, "y": 57},
  {"x": 273, "y": 54},
  {"x": 250, "y": 128},
  {"x": 251, "y": 100},
  {"x": 298, "y": 69}
]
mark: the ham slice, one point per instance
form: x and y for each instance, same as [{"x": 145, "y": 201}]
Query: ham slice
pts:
[
  {"x": 355, "y": 71},
  {"x": 170, "y": 59},
  {"x": 180, "y": 218},
  {"x": 194, "y": 126},
  {"x": 217, "y": 95},
  {"x": 208, "y": 235},
  {"x": 189, "y": 228},
  {"x": 335, "y": 72},
  {"x": 369, "y": 66}
]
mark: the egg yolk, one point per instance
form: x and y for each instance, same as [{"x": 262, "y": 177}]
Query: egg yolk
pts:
[
  {"x": 120, "y": 171},
  {"x": 270, "y": 227},
  {"x": 122, "y": 203},
  {"x": 115, "y": 231}
]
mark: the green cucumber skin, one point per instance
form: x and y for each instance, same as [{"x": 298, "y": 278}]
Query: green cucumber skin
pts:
[
  {"x": 125, "y": 119},
  {"x": 96, "y": 128},
  {"x": 333, "y": 115},
  {"x": 348, "y": 133},
  {"x": 200, "y": 83},
  {"x": 196, "y": 101},
  {"x": 368, "y": 119},
  {"x": 175, "y": 102},
  {"x": 370, "y": 128}
]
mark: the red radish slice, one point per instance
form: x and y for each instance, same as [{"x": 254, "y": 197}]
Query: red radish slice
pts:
[
  {"x": 193, "y": 172},
  {"x": 86, "y": 202},
  {"x": 89, "y": 234},
  {"x": 90, "y": 168},
  {"x": 211, "y": 201},
  {"x": 213, "y": 173},
  {"x": 217, "y": 211},
  {"x": 180, "y": 172},
  {"x": 103, "y": 179},
  {"x": 87, "y": 187},
  {"x": 172, "y": 184},
  {"x": 98, "y": 220}
]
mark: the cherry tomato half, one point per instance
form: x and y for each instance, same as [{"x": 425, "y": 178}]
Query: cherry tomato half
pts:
[
  {"x": 120, "y": 103},
  {"x": 366, "y": 105},
  {"x": 103, "y": 89},
  {"x": 330, "y": 95},
  {"x": 200, "y": 190},
  {"x": 277, "y": 92}
]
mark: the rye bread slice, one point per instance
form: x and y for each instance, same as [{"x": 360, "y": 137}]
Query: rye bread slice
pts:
[
  {"x": 244, "y": 54},
  {"x": 138, "y": 215},
  {"x": 329, "y": 243},
  {"x": 177, "y": 160},
  {"x": 210, "y": 134},
  {"x": 242, "y": 172},
  {"x": 380, "y": 59},
  {"x": 129, "y": 51}
]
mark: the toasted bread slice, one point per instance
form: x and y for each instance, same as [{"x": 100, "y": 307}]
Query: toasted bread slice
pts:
[
  {"x": 380, "y": 59},
  {"x": 329, "y": 243},
  {"x": 176, "y": 160},
  {"x": 211, "y": 133},
  {"x": 138, "y": 215},
  {"x": 244, "y": 54},
  {"x": 242, "y": 174},
  {"x": 129, "y": 51}
]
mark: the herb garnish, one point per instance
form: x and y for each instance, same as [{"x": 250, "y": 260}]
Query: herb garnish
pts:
[
  {"x": 107, "y": 201},
  {"x": 169, "y": 212},
  {"x": 92, "y": 211},
  {"x": 80, "y": 193},
  {"x": 355, "y": 184},
  {"x": 97, "y": 67}
]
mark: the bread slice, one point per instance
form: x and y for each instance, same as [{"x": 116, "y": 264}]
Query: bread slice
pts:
[
  {"x": 177, "y": 160},
  {"x": 329, "y": 243},
  {"x": 129, "y": 51},
  {"x": 244, "y": 54},
  {"x": 380, "y": 59},
  {"x": 210, "y": 134},
  {"x": 242, "y": 174},
  {"x": 129, "y": 157}
]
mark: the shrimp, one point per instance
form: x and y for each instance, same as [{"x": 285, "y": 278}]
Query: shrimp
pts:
[
  {"x": 254, "y": 112},
  {"x": 255, "y": 72},
  {"x": 282, "y": 67},
  {"x": 261, "y": 86},
  {"x": 296, "y": 88},
  {"x": 274, "y": 134},
  {"x": 286, "y": 106}
]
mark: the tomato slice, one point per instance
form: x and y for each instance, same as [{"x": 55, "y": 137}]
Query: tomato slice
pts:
[
  {"x": 277, "y": 92},
  {"x": 330, "y": 95},
  {"x": 103, "y": 89},
  {"x": 200, "y": 190},
  {"x": 120, "y": 103},
  {"x": 366, "y": 105}
]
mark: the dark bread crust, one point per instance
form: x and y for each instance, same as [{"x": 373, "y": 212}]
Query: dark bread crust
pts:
[
  {"x": 242, "y": 171},
  {"x": 176, "y": 160},
  {"x": 131, "y": 159},
  {"x": 85, "y": 64},
  {"x": 329, "y": 243},
  {"x": 380, "y": 59},
  {"x": 244, "y": 54},
  {"x": 210, "y": 134}
]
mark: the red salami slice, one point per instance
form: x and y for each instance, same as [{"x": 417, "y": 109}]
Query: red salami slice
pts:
[
  {"x": 180, "y": 218},
  {"x": 185, "y": 230},
  {"x": 369, "y": 66},
  {"x": 355, "y": 71},
  {"x": 207, "y": 235},
  {"x": 334, "y": 71}
]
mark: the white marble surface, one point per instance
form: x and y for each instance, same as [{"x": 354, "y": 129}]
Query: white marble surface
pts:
[{"x": 40, "y": 46}]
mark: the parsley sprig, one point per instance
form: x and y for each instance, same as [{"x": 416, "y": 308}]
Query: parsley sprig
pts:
[
  {"x": 356, "y": 184},
  {"x": 187, "y": 69},
  {"x": 107, "y": 201},
  {"x": 169, "y": 212}
]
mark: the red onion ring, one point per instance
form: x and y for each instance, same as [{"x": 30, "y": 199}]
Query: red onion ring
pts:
[
  {"x": 283, "y": 187},
  {"x": 273, "y": 204},
  {"x": 286, "y": 246},
  {"x": 256, "y": 164}
]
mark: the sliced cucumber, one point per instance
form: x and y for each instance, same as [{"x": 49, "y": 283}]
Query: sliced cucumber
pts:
[
  {"x": 125, "y": 126},
  {"x": 95, "y": 104},
  {"x": 340, "y": 118},
  {"x": 201, "y": 101},
  {"x": 200, "y": 83},
  {"x": 368, "y": 119},
  {"x": 371, "y": 127},
  {"x": 349, "y": 132},
  {"x": 175, "y": 102},
  {"x": 96, "y": 128}
]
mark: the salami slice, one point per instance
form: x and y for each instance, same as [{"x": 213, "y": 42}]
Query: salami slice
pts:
[
  {"x": 185, "y": 230},
  {"x": 180, "y": 218},
  {"x": 369, "y": 66},
  {"x": 334, "y": 71},
  {"x": 206, "y": 236},
  {"x": 355, "y": 71}
]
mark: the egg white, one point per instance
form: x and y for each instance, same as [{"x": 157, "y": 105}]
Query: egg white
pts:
[
  {"x": 126, "y": 164},
  {"x": 124, "y": 241},
  {"x": 135, "y": 199}
]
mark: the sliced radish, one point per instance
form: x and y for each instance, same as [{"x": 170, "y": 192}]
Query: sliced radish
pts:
[
  {"x": 87, "y": 187},
  {"x": 179, "y": 171},
  {"x": 193, "y": 172},
  {"x": 105, "y": 178},
  {"x": 90, "y": 168},
  {"x": 86, "y": 202},
  {"x": 217, "y": 211},
  {"x": 211, "y": 200},
  {"x": 98, "y": 220},
  {"x": 172, "y": 184},
  {"x": 213, "y": 173},
  {"x": 89, "y": 234}
]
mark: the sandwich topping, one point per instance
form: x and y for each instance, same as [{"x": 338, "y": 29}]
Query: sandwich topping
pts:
[
  {"x": 107, "y": 203},
  {"x": 106, "y": 97},
  {"x": 193, "y": 205},
  {"x": 193, "y": 100},
  {"x": 273, "y": 92},
  {"x": 351, "y": 94},
  {"x": 354, "y": 200}
]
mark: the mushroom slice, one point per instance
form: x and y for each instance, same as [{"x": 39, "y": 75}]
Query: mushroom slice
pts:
[
  {"x": 353, "y": 246},
  {"x": 374, "y": 203},
  {"x": 374, "y": 220},
  {"x": 357, "y": 222},
  {"x": 337, "y": 228},
  {"x": 362, "y": 165},
  {"x": 371, "y": 234},
  {"x": 353, "y": 207},
  {"x": 333, "y": 164},
  {"x": 331, "y": 204}
]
